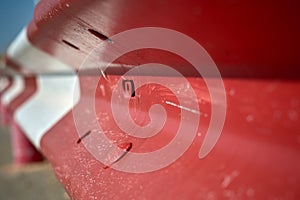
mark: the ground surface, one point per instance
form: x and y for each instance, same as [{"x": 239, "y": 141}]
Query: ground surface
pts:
[{"x": 34, "y": 181}]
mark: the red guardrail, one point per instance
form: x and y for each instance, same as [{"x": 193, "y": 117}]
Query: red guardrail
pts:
[{"x": 73, "y": 106}]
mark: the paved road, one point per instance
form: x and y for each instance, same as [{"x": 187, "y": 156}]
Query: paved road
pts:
[{"x": 30, "y": 182}]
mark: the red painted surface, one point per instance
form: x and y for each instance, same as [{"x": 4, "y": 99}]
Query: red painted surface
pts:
[
  {"x": 29, "y": 90},
  {"x": 251, "y": 39},
  {"x": 23, "y": 150},
  {"x": 2, "y": 107},
  {"x": 255, "y": 46},
  {"x": 256, "y": 157}
]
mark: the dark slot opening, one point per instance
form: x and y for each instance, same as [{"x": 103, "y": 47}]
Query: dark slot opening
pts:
[
  {"x": 70, "y": 44},
  {"x": 98, "y": 34}
]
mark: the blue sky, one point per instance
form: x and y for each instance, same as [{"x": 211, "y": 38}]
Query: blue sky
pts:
[{"x": 14, "y": 15}]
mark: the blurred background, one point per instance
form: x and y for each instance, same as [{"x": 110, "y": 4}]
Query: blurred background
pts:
[
  {"x": 31, "y": 181},
  {"x": 14, "y": 15}
]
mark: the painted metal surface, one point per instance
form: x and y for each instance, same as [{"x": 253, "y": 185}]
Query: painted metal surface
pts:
[{"x": 255, "y": 46}]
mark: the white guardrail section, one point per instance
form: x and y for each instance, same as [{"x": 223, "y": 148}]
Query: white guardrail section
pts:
[
  {"x": 13, "y": 91},
  {"x": 56, "y": 94}
]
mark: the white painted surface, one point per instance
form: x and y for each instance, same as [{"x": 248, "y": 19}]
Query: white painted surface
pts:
[
  {"x": 15, "y": 90},
  {"x": 4, "y": 82},
  {"x": 54, "y": 97},
  {"x": 31, "y": 58}
]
